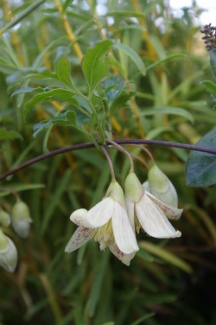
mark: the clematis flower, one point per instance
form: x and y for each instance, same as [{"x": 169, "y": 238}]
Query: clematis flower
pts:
[
  {"x": 147, "y": 212},
  {"x": 160, "y": 186},
  {"x": 21, "y": 219},
  {"x": 8, "y": 253},
  {"x": 107, "y": 222}
]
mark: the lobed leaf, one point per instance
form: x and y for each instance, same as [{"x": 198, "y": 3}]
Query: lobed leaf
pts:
[{"x": 95, "y": 64}]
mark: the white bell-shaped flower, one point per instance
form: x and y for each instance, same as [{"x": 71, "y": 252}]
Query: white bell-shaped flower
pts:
[
  {"x": 21, "y": 219},
  {"x": 160, "y": 186},
  {"x": 8, "y": 253},
  {"x": 107, "y": 222},
  {"x": 147, "y": 212}
]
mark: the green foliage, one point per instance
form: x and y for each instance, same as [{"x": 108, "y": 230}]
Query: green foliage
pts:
[
  {"x": 70, "y": 74},
  {"x": 200, "y": 167}
]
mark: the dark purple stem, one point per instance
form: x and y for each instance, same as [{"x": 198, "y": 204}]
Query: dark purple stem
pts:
[{"x": 91, "y": 145}]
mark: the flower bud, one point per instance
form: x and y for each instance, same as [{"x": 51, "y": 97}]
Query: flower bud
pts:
[
  {"x": 8, "y": 253},
  {"x": 159, "y": 185},
  {"x": 21, "y": 219},
  {"x": 4, "y": 218}
]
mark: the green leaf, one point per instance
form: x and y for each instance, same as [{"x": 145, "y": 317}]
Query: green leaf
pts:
[
  {"x": 26, "y": 90},
  {"x": 133, "y": 55},
  {"x": 211, "y": 86},
  {"x": 22, "y": 15},
  {"x": 22, "y": 187},
  {"x": 68, "y": 118},
  {"x": 167, "y": 59},
  {"x": 55, "y": 94},
  {"x": 165, "y": 255},
  {"x": 62, "y": 68},
  {"x": 8, "y": 135},
  {"x": 141, "y": 319},
  {"x": 95, "y": 64},
  {"x": 213, "y": 61},
  {"x": 169, "y": 110},
  {"x": 201, "y": 167}
]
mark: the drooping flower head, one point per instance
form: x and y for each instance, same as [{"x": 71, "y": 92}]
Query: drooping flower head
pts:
[
  {"x": 21, "y": 219},
  {"x": 107, "y": 222},
  {"x": 160, "y": 186},
  {"x": 147, "y": 212},
  {"x": 8, "y": 253}
]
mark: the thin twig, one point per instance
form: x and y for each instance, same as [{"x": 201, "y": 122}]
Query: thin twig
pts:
[{"x": 91, "y": 145}]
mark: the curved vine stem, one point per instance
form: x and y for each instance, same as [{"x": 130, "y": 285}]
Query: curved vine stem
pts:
[{"x": 91, "y": 145}]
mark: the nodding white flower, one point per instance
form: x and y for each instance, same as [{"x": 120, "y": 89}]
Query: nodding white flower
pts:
[
  {"x": 21, "y": 219},
  {"x": 160, "y": 186},
  {"x": 8, "y": 253},
  {"x": 147, "y": 212},
  {"x": 107, "y": 222}
]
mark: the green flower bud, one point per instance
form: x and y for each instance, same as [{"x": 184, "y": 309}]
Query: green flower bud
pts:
[
  {"x": 21, "y": 219},
  {"x": 4, "y": 218},
  {"x": 159, "y": 185},
  {"x": 8, "y": 253}
]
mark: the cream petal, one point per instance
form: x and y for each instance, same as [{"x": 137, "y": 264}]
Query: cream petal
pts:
[
  {"x": 123, "y": 233},
  {"x": 130, "y": 211},
  {"x": 78, "y": 239},
  {"x": 153, "y": 220},
  {"x": 101, "y": 213},
  {"x": 8, "y": 259},
  {"x": 170, "y": 212},
  {"x": 79, "y": 217},
  {"x": 124, "y": 258}
]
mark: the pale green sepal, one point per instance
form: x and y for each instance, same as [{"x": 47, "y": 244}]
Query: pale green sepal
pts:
[
  {"x": 116, "y": 192},
  {"x": 21, "y": 219},
  {"x": 20, "y": 211},
  {"x": 4, "y": 218},
  {"x": 160, "y": 186},
  {"x": 133, "y": 188}
]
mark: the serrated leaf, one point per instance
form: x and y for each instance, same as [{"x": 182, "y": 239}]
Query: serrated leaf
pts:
[
  {"x": 95, "y": 64},
  {"x": 200, "y": 167},
  {"x": 8, "y": 135},
  {"x": 57, "y": 94},
  {"x": 133, "y": 55},
  {"x": 62, "y": 68},
  {"x": 213, "y": 61},
  {"x": 120, "y": 101},
  {"x": 68, "y": 118}
]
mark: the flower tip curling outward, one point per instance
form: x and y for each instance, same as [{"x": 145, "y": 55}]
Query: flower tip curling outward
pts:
[{"x": 148, "y": 212}]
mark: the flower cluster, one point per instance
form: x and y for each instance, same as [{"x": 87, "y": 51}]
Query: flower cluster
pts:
[
  {"x": 20, "y": 220},
  {"x": 209, "y": 37},
  {"x": 114, "y": 221}
]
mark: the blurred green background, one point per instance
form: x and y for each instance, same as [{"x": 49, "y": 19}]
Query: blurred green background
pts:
[{"x": 169, "y": 281}]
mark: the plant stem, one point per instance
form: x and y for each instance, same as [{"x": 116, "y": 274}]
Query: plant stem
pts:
[
  {"x": 110, "y": 163},
  {"x": 92, "y": 145},
  {"x": 125, "y": 151}
]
